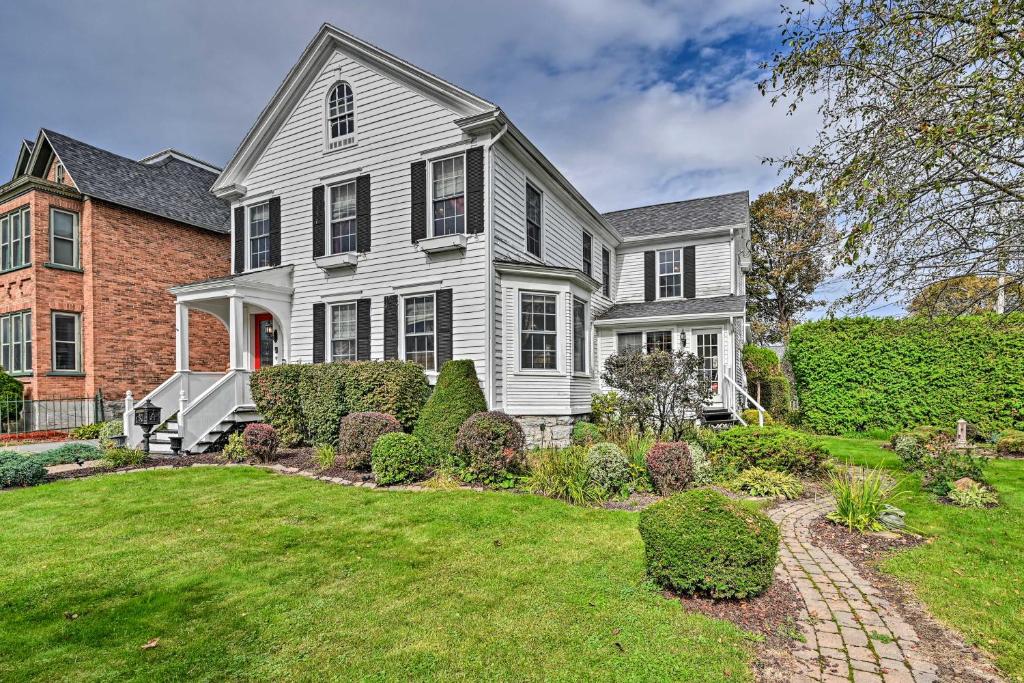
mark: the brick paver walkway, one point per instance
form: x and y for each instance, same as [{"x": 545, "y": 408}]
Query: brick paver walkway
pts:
[{"x": 851, "y": 631}]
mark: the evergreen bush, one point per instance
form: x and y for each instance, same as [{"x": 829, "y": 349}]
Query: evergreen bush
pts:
[
  {"x": 12, "y": 396},
  {"x": 398, "y": 458},
  {"x": 358, "y": 435},
  {"x": 490, "y": 446},
  {"x": 609, "y": 468},
  {"x": 456, "y": 396},
  {"x": 771, "y": 448},
  {"x": 322, "y": 401},
  {"x": 278, "y": 397},
  {"x": 393, "y": 387}
]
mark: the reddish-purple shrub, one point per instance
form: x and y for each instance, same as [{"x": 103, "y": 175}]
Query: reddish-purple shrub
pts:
[
  {"x": 490, "y": 445},
  {"x": 359, "y": 432},
  {"x": 670, "y": 466},
  {"x": 260, "y": 441}
]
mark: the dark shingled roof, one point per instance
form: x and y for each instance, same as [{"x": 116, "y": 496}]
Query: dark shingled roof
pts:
[
  {"x": 172, "y": 188},
  {"x": 692, "y": 214},
  {"x": 654, "y": 309}
]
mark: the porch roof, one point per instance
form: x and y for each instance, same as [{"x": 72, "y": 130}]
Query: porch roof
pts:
[
  {"x": 277, "y": 280},
  {"x": 659, "y": 310}
]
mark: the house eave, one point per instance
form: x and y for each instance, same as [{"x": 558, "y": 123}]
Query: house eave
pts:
[
  {"x": 699, "y": 232},
  {"x": 663, "y": 319},
  {"x": 548, "y": 272},
  {"x": 27, "y": 183}
]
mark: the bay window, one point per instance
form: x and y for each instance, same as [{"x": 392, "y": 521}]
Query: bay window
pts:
[
  {"x": 15, "y": 239},
  {"x": 579, "y": 336},
  {"x": 16, "y": 342},
  {"x": 538, "y": 331}
]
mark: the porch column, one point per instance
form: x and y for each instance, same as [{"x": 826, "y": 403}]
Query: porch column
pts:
[
  {"x": 236, "y": 332},
  {"x": 181, "y": 337}
]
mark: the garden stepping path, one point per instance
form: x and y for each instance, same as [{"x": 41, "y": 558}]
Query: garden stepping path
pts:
[{"x": 851, "y": 632}]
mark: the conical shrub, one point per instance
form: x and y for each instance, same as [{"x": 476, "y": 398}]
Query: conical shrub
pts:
[{"x": 456, "y": 397}]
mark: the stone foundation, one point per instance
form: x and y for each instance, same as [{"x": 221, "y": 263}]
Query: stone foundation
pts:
[{"x": 548, "y": 430}]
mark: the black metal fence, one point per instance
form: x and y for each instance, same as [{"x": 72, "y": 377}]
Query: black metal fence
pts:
[{"x": 56, "y": 414}]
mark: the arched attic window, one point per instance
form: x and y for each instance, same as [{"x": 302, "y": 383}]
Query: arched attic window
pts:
[{"x": 341, "y": 118}]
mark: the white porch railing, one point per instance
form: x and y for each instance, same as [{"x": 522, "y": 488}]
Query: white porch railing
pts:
[
  {"x": 212, "y": 407},
  {"x": 738, "y": 389},
  {"x": 168, "y": 397}
]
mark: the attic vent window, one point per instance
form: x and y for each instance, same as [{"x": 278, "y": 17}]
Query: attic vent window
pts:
[
  {"x": 341, "y": 120},
  {"x": 58, "y": 173}
]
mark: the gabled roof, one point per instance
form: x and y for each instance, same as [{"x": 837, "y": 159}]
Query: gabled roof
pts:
[
  {"x": 170, "y": 152},
  {"x": 716, "y": 305},
  {"x": 171, "y": 188},
  {"x": 693, "y": 214},
  {"x": 24, "y": 153},
  {"x": 328, "y": 40}
]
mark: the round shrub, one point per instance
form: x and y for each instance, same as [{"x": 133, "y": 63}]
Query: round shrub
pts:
[
  {"x": 751, "y": 418},
  {"x": 702, "y": 542},
  {"x": 394, "y": 387},
  {"x": 670, "y": 466},
  {"x": 234, "y": 449},
  {"x": 260, "y": 441},
  {"x": 490, "y": 445},
  {"x": 275, "y": 391},
  {"x": 19, "y": 470},
  {"x": 771, "y": 448},
  {"x": 585, "y": 434},
  {"x": 12, "y": 393},
  {"x": 358, "y": 434},
  {"x": 322, "y": 399},
  {"x": 1011, "y": 443},
  {"x": 703, "y": 471},
  {"x": 397, "y": 458},
  {"x": 456, "y": 396},
  {"x": 609, "y": 467}
]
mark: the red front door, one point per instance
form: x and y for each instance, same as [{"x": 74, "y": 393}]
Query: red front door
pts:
[{"x": 264, "y": 338}]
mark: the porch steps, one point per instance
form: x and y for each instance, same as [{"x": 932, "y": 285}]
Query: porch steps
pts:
[
  {"x": 160, "y": 441},
  {"x": 719, "y": 417}
]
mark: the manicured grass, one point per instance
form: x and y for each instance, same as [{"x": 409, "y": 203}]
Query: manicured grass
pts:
[
  {"x": 242, "y": 574},
  {"x": 971, "y": 575}
]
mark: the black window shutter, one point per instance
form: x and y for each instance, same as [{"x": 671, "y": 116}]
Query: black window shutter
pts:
[
  {"x": 689, "y": 272},
  {"x": 475, "y": 190},
  {"x": 391, "y": 327},
  {"x": 275, "y": 231},
  {"x": 444, "y": 326},
  {"x": 418, "y": 171},
  {"x": 606, "y": 272},
  {"x": 319, "y": 332},
  {"x": 363, "y": 214},
  {"x": 363, "y": 329},
  {"x": 239, "y": 239},
  {"x": 650, "y": 282},
  {"x": 319, "y": 222}
]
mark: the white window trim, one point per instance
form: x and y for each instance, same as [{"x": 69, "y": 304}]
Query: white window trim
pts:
[
  {"x": 26, "y": 229},
  {"x": 248, "y": 236},
  {"x": 526, "y": 219},
  {"x": 58, "y": 173},
  {"x": 559, "y": 331},
  {"x": 350, "y": 140},
  {"x": 327, "y": 214},
  {"x": 583, "y": 259},
  {"x": 657, "y": 282},
  {"x": 26, "y": 336},
  {"x": 53, "y": 342},
  {"x": 430, "y": 192},
  {"x": 587, "y": 341},
  {"x": 330, "y": 327},
  {"x": 401, "y": 325},
  {"x": 77, "y": 241},
  {"x": 720, "y": 333}
]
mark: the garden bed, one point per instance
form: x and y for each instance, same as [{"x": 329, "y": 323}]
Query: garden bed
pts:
[{"x": 148, "y": 463}]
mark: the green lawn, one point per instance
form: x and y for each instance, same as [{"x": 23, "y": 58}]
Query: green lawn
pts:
[
  {"x": 972, "y": 574},
  {"x": 242, "y": 574}
]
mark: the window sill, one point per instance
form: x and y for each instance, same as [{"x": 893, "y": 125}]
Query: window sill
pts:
[
  {"x": 441, "y": 243},
  {"x": 335, "y": 261},
  {"x": 61, "y": 266},
  {"x": 339, "y": 148},
  {"x": 539, "y": 373},
  {"x": 15, "y": 270},
  {"x": 582, "y": 375},
  {"x": 65, "y": 373},
  {"x": 21, "y": 375}
]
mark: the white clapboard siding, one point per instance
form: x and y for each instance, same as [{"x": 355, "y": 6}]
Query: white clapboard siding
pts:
[{"x": 713, "y": 261}]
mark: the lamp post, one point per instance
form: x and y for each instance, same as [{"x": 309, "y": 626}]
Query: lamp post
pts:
[{"x": 147, "y": 416}]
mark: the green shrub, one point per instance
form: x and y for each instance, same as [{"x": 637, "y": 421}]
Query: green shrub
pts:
[
  {"x": 456, "y": 396},
  {"x": 114, "y": 458},
  {"x": 701, "y": 542},
  {"x": 909, "y": 450},
  {"x": 234, "y": 450},
  {"x": 398, "y": 458},
  {"x": 703, "y": 470},
  {"x": 1011, "y": 444},
  {"x": 489, "y": 447},
  {"x": 358, "y": 434},
  {"x": 324, "y": 455},
  {"x": 864, "y": 500},
  {"x": 108, "y": 430},
  {"x": 609, "y": 467},
  {"x": 858, "y": 373},
  {"x": 943, "y": 467},
  {"x": 766, "y": 381},
  {"x": 605, "y": 409},
  {"x": 12, "y": 396},
  {"x": 19, "y": 470},
  {"x": 767, "y": 483},
  {"x": 278, "y": 399},
  {"x": 393, "y": 387},
  {"x": 69, "y": 453},
  {"x": 771, "y": 448},
  {"x": 322, "y": 401},
  {"x": 261, "y": 441},
  {"x": 562, "y": 473},
  {"x": 669, "y": 466},
  {"x": 973, "y": 495},
  {"x": 90, "y": 431},
  {"x": 750, "y": 416},
  {"x": 924, "y": 435},
  {"x": 586, "y": 434},
  {"x": 636, "y": 446}
]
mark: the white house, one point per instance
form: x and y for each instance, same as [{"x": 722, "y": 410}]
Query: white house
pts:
[{"x": 382, "y": 212}]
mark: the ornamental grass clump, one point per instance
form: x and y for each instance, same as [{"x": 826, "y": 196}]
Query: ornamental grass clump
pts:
[
  {"x": 669, "y": 466},
  {"x": 398, "y": 458},
  {"x": 562, "y": 473},
  {"x": 864, "y": 500},
  {"x": 490, "y": 447},
  {"x": 455, "y": 398},
  {"x": 358, "y": 434},
  {"x": 767, "y": 484},
  {"x": 609, "y": 468},
  {"x": 586, "y": 434},
  {"x": 261, "y": 441},
  {"x": 700, "y": 542}
]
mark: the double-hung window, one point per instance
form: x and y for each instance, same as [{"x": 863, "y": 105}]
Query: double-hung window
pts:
[
  {"x": 448, "y": 194},
  {"x": 533, "y": 220},
  {"x": 64, "y": 238},
  {"x": 15, "y": 239},
  {"x": 419, "y": 330},
  {"x": 588, "y": 254},
  {"x": 538, "y": 331},
  {"x": 259, "y": 235},
  {"x": 606, "y": 272},
  {"x": 659, "y": 341},
  {"x": 343, "y": 218},
  {"x": 579, "y": 335},
  {"x": 343, "y": 332},
  {"x": 16, "y": 342},
  {"x": 670, "y": 274},
  {"x": 67, "y": 342}
]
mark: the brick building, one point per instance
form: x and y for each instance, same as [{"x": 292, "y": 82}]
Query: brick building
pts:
[{"x": 90, "y": 242}]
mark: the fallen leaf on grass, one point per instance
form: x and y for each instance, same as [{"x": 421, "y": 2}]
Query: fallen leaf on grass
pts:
[
  {"x": 151, "y": 644},
  {"x": 71, "y": 616}
]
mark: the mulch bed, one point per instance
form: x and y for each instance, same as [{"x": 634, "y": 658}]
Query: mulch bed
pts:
[
  {"x": 181, "y": 461},
  {"x": 33, "y": 437},
  {"x": 771, "y": 614},
  {"x": 857, "y": 547},
  {"x": 302, "y": 458}
]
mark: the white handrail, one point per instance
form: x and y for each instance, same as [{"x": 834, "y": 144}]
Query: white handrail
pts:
[
  {"x": 213, "y": 406},
  {"x": 760, "y": 409}
]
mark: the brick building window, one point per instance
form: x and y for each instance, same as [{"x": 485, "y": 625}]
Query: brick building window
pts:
[
  {"x": 64, "y": 238},
  {"x": 67, "y": 342},
  {"x": 15, "y": 239},
  {"x": 16, "y": 342}
]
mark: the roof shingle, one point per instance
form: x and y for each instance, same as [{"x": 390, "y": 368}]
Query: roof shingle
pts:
[
  {"x": 656, "y": 309},
  {"x": 691, "y": 214}
]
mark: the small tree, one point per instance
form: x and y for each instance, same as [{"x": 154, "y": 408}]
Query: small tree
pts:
[{"x": 662, "y": 390}]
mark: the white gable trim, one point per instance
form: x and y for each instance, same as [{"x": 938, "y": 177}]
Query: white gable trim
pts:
[{"x": 327, "y": 41}]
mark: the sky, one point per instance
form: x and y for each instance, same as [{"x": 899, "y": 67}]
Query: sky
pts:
[{"x": 636, "y": 102}]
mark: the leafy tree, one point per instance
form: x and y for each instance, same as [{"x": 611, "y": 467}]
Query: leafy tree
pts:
[
  {"x": 791, "y": 241},
  {"x": 920, "y": 154},
  {"x": 969, "y": 294}
]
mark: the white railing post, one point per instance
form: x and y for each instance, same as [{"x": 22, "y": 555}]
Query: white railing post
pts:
[
  {"x": 182, "y": 404},
  {"x": 129, "y": 408}
]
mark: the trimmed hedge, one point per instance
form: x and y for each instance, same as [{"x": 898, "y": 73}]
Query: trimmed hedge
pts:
[
  {"x": 490, "y": 446},
  {"x": 456, "y": 396},
  {"x": 1011, "y": 443},
  {"x": 397, "y": 458},
  {"x": 322, "y": 401},
  {"x": 856, "y": 374},
  {"x": 277, "y": 395},
  {"x": 359, "y": 433},
  {"x": 701, "y": 542},
  {"x": 771, "y": 448},
  {"x": 394, "y": 387}
]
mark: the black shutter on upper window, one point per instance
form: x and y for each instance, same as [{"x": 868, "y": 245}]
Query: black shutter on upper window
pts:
[
  {"x": 275, "y": 231},
  {"x": 391, "y": 327},
  {"x": 239, "y": 239},
  {"x": 650, "y": 281},
  {"x": 319, "y": 332},
  {"x": 363, "y": 214},
  {"x": 418, "y": 172},
  {"x": 444, "y": 326},
  {"x": 319, "y": 222},
  {"x": 689, "y": 272},
  {"x": 363, "y": 329},
  {"x": 475, "y": 190}
]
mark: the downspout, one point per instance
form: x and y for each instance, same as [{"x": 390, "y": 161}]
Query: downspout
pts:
[{"x": 491, "y": 370}]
